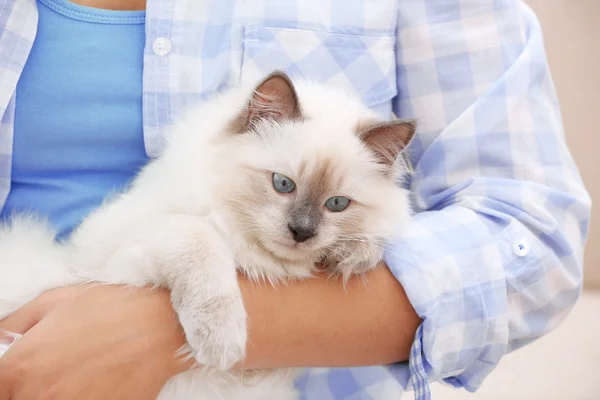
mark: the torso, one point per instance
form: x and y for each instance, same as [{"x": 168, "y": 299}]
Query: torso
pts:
[{"x": 78, "y": 121}]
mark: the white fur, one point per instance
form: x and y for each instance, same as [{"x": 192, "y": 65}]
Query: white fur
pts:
[
  {"x": 179, "y": 226},
  {"x": 30, "y": 263}
]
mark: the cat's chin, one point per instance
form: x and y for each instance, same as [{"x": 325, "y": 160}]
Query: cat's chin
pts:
[{"x": 289, "y": 250}]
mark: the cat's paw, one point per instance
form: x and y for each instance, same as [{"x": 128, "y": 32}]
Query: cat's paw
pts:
[
  {"x": 216, "y": 331},
  {"x": 354, "y": 258}
]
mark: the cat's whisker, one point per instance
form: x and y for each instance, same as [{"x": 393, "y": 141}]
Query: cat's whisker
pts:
[{"x": 364, "y": 235}]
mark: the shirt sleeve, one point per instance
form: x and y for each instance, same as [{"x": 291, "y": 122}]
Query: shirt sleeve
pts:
[{"x": 493, "y": 257}]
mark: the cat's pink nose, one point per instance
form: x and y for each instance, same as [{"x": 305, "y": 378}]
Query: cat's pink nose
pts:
[{"x": 300, "y": 233}]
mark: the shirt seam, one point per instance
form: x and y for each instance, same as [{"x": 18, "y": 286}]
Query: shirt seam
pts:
[
  {"x": 390, "y": 35},
  {"x": 351, "y": 36}
]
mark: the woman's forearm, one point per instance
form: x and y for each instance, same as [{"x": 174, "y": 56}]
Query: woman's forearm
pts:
[
  {"x": 123, "y": 338},
  {"x": 317, "y": 322}
]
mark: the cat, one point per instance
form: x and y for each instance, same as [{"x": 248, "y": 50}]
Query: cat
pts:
[{"x": 269, "y": 180}]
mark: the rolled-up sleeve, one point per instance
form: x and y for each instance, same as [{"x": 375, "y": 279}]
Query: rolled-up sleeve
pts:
[{"x": 493, "y": 257}]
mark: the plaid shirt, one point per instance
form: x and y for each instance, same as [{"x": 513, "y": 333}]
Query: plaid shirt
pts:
[{"x": 493, "y": 258}]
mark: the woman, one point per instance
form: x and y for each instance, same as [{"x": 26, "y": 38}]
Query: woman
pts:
[{"x": 494, "y": 256}]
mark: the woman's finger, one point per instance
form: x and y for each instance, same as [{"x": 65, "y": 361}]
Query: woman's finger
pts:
[
  {"x": 31, "y": 313},
  {"x": 24, "y": 318}
]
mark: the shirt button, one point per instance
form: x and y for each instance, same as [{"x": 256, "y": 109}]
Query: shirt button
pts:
[
  {"x": 161, "y": 46},
  {"x": 521, "y": 248}
]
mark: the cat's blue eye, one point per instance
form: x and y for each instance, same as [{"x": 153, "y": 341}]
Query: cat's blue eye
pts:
[
  {"x": 337, "y": 203},
  {"x": 282, "y": 183}
]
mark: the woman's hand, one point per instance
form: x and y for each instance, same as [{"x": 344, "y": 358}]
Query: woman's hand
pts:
[{"x": 94, "y": 342}]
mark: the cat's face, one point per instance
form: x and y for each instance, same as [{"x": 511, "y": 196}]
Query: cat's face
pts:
[{"x": 314, "y": 181}]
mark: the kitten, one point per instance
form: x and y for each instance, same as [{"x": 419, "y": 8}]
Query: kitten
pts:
[{"x": 270, "y": 180}]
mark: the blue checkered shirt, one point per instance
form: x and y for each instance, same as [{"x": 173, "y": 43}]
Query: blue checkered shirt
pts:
[{"x": 493, "y": 258}]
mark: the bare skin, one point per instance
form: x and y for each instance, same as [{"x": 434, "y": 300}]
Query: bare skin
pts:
[
  {"x": 113, "y": 4},
  {"x": 109, "y": 341},
  {"x": 319, "y": 323}
]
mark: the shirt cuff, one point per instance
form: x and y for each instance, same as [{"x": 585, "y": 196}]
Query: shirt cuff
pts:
[{"x": 452, "y": 264}]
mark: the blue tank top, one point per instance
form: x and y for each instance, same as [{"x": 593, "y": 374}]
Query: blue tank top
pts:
[{"x": 78, "y": 119}]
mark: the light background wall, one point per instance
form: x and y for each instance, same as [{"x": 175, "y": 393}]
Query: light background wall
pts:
[{"x": 572, "y": 37}]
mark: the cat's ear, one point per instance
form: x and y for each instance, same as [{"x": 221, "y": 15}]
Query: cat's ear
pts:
[
  {"x": 387, "y": 139},
  {"x": 274, "y": 99}
]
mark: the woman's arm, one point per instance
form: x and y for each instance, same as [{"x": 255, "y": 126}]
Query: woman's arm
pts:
[
  {"x": 319, "y": 323},
  {"x": 492, "y": 259},
  {"x": 109, "y": 341}
]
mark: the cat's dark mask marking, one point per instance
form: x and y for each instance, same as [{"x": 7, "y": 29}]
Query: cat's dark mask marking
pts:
[
  {"x": 387, "y": 139},
  {"x": 274, "y": 98},
  {"x": 306, "y": 211},
  {"x": 305, "y": 218}
]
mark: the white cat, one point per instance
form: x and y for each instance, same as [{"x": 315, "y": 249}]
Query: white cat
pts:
[{"x": 270, "y": 180}]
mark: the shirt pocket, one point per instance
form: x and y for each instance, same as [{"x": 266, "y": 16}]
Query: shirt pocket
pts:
[{"x": 363, "y": 65}]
